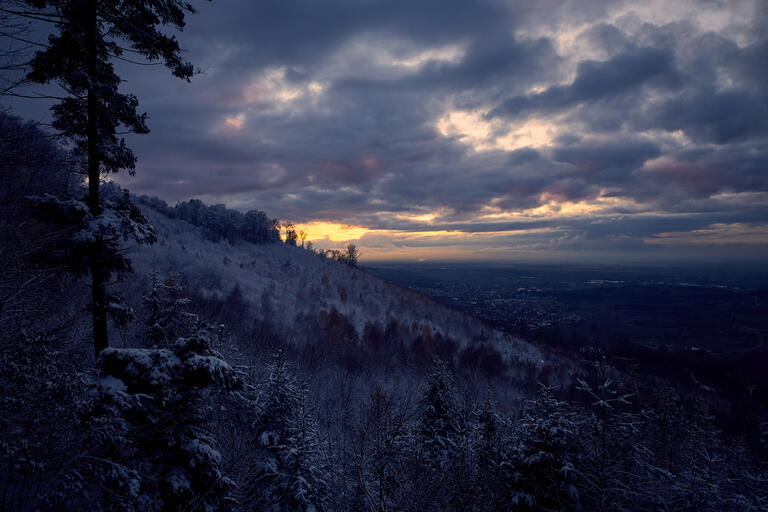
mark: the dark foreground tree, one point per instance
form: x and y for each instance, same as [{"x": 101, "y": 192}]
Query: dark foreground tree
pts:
[
  {"x": 89, "y": 35},
  {"x": 287, "y": 471},
  {"x": 149, "y": 440},
  {"x": 542, "y": 458},
  {"x": 434, "y": 442}
]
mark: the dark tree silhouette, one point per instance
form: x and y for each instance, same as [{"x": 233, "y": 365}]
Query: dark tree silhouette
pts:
[
  {"x": 89, "y": 35},
  {"x": 291, "y": 236},
  {"x": 352, "y": 255}
]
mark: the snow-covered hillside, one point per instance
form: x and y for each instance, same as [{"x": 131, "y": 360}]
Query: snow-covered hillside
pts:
[{"x": 294, "y": 288}]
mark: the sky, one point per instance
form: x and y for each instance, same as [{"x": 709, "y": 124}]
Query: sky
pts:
[{"x": 610, "y": 131}]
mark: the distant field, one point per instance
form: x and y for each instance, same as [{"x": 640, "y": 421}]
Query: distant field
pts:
[{"x": 710, "y": 308}]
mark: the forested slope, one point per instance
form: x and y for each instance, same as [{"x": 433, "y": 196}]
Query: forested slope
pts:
[{"x": 311, "y": 301}]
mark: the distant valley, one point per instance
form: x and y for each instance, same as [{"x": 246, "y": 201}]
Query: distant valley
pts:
[{"x": 701, "y": 326}]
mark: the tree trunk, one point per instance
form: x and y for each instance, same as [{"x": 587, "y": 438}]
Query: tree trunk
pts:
[{"x": 98, "y": 291}]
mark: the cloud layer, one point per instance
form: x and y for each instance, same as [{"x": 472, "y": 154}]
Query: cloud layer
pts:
[{"x": 482, "y": 130}]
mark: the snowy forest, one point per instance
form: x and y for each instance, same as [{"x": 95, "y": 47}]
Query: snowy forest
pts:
[{"x": 185, "y": 358}]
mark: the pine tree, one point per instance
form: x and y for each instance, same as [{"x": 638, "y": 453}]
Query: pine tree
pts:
[
  {"x": 663, "y": 432},
  {"x": 385, "y": 432},
  {"x": 609, "y": 443},
  {"x": 90, "y": 34},
  {"x": 752, "y": 493},
  {"x": 165, "y": 303},
  {"x": 461, "y": 473},
  {"x": 286, "y": 473},
  {"x": 491, "y": 454},
  {"x": 542, "y": 461},
  {"x": 94, "y": 246},
  {"x": 152, "y": 429},
  {"x": 39, "y": 391},
  {"x": 702, "y": 476},
  {"x": 437, "y": 415},
  {"x": 147, "y": 435},
  {"x": 665, "y": 428},
  {"x": 433, "y": 444}
]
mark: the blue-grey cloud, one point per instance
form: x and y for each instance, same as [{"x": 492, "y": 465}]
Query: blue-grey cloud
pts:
[
  {"x": 331, "y": 111},
  {"x": 598, "y": 81}
]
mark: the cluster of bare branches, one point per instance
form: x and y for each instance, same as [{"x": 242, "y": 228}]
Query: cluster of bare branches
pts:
[{"x": 16, "y": 46}]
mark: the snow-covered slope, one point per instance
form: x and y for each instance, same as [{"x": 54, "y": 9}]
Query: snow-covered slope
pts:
[{"x": 291, "y": 284}]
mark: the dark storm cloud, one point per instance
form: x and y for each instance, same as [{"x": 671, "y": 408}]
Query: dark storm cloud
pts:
[
  {"x": 713, "y": 116},
  {"x": 608, "y": 163},
  {"x": 708, "y": 171},
  {"x": 597, "y": 81},
  {"x": 491, "y": 60},
  {"x": 304, "y": 32}
]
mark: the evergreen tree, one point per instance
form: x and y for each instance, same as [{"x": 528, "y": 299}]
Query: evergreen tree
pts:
[
  {"x": 166, "y": 309},
  {"x": 751, "y": 494},
  {"x": 702, "y": 475},
  {"x": 542, "y": 461},
  {"x": 150, "y": 442},
  {"x": 609, "y": 443},
  {"x": 665, "y": 428},
  {"x": 385, "y": 432},
  {"x": 437, "y": 415},
  {"x": 90, "y": 34},
  {"x": 663, "y": 433},
  {"x": 491, "y": 454},
  {"x": 433, "y": 445},
  {"x": 40, "y": 390},
  {"x": 286, "y": 473},
  {"x": 93, "y": 245},
  {"x": 461, "y": 473}
]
